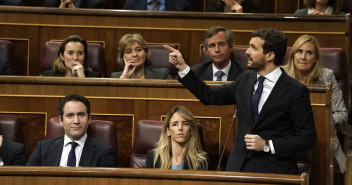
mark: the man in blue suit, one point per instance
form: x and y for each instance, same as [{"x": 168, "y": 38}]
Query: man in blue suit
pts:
[
  {"x": 86, "y": 151},
  {"x": 275, "y": 122},
  {"x": 162, "y": 5}
]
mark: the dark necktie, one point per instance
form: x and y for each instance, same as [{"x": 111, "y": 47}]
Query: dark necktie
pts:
[
  {"x": 256, "y": 97},
  {"x": 154, "y": 5},
  {"x": 219, "y": 75},
  {"x": 72, "y": 155}
]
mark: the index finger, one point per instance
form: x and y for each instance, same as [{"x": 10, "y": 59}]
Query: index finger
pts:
[{"x": 170, "y": 48}]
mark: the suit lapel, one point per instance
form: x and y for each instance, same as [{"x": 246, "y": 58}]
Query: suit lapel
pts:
[
  {"x": 87, "y": 153},
  {"x": 279, "y": 90},
  {"x": 208, "y": 73},
  {"x": 55, "y": 152},
  {"x": 248, "y": 96}
]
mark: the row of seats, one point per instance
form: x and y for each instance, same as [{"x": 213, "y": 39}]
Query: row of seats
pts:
[
  {"x": 146, "y": 135},
  {"x": 333, "y": 58}
]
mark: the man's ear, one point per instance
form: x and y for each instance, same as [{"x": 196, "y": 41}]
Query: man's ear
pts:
[
  {"x": 61, "y": 124},
  {"x": 270, "y": 56}
]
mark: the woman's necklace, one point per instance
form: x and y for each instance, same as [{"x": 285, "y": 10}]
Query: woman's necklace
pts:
[{"x": 138, "y": 77}]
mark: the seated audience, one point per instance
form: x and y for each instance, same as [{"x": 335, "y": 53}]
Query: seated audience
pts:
[
  {"x": 159, "y": 5},
  {"x": 11, "y": 153},
  {"x": 72, "y": 60},
  {"x": 179, "y": 146},
  {"x": 305, "y": 66},
  {"x": 75, "y": 148},
  {"x": 218, "y": 42},
  {"x": 96, "y": 4},
  {"x": 320, "y": 7},
  {"x": 134, "y": 55},
  {"x": 11, "y": 2},
  {"x": 234, "y": 6},
  {"x": 5, "y": 67}
]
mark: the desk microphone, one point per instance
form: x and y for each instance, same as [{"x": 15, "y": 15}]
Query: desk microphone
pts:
[{"x": 227, "y": 138}]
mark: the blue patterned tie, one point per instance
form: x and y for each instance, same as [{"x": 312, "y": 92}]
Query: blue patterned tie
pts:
[
  {"x": 72, "y": 155},
  {"x": 78, "y": 3},
  {"x": 219, "y": 75},
  {"x": 256, "y": 97}
]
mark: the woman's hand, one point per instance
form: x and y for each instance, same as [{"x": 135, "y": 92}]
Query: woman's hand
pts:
[
  {"x": 67, "y": 4},
  {"x": 78, "y": 69},
  {"x": 316, "y": 12},
  {"x": 128, "y": 70}
]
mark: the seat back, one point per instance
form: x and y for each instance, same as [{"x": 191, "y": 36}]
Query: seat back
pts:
[
  {"x": 96, "y": 57},
  {"x": 6, "y": 51},
  {"x": 103, "y": 131},
  {"x": 12, "y": 128},
  {"x": 159, "y": 59},
  {"x": 146, "y": 135}
]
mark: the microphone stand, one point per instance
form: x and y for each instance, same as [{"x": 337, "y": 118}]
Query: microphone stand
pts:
[{"x": 227, "y": 138}]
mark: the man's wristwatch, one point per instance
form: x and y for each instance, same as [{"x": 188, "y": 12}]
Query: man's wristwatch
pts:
[{"x": 266, "y": 146}]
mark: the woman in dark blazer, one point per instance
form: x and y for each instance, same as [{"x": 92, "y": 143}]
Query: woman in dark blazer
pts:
[
  {"x": 179, "y": 145},
  {"x": 134, "y": 55},
  {"x": 72, "y": 60},
  {"x": 11, "y": 153}
]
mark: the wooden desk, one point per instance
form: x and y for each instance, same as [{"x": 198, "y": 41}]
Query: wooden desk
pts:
[
  {"x": 35, "y": 100},
  {"x": 128, "y": 176}
]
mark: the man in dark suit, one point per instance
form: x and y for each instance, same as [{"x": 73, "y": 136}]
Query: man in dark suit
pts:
[
  {"x": 162, "y": 5},
  {"x": 75, "y": 148},
  {"x": 218, "y": 43},
  {"x": 11, "y": 153},
  {"x": 271, "y": 129},
  {"x": 95, "y": 4}
]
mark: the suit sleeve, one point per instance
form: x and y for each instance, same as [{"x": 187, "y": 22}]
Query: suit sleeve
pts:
[
  {"x": 222, "y": 95},
  {"x": 35, "y": 158},
  {"x": 20, "y": 156},
  {"x": 108, "y": 158},
  {"x": 303, "y": 122}
]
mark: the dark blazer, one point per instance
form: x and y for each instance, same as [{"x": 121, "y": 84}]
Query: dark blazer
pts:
[
  {"x": 149, "y": 73},
  {"x": 286, "y": 118},
  {"x": 92, "y": 74},
  {"x": 12, "y": 153},
  {"x": 170, "y": 5},
  {"x": 96, "y": 4},
  {"x": 5, "y": 67},
  {"x": 204, "y": 71},
  {"x": 94, "y": 154},
  {"x": 150, "y": 161}
]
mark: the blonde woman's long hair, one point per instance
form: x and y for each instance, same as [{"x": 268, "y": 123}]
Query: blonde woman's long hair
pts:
[
  {"x": 194, "y": 154},
  {"x": 313, "y": 76}
]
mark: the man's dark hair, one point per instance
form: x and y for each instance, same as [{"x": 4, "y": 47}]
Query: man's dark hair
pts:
[
  {"x": 216, "y": 29},
  {"x": 73, "y": 97},
  {"x": 274, "y": 41}
]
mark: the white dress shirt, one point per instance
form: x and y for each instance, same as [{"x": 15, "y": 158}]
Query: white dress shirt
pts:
[{"x": 67, "y": 148}]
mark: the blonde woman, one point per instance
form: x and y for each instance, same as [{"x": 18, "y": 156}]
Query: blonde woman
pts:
[
  {"x": 179, "y": 145},
  {"x": 305, "y": 62}
]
